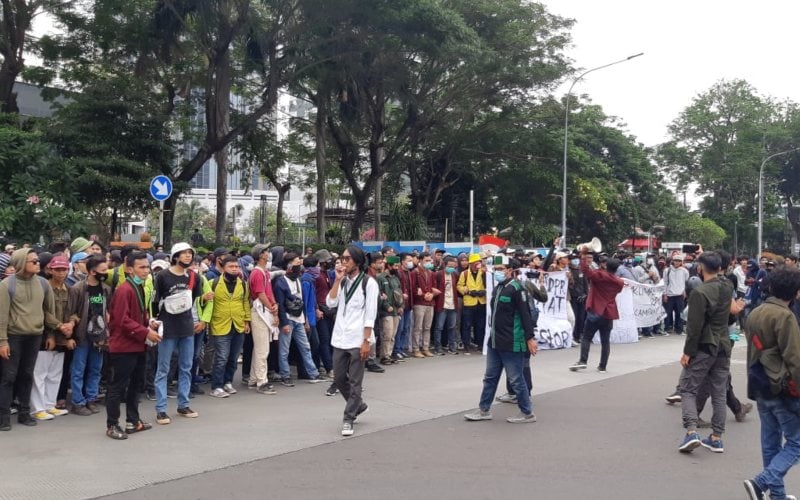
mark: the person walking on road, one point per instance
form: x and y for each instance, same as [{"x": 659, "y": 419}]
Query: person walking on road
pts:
[
  {"x": 356, "y": 301},
  {"x": 773, "y": 361},
  {"x": 511, "y": 337},
  {"x": 706, "y": 353}
]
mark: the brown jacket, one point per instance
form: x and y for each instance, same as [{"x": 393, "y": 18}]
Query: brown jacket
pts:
[{"x": 61, "y": 299}]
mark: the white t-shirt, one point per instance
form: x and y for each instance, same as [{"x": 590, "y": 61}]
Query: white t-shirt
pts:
[{"x": 354, "y": 315}]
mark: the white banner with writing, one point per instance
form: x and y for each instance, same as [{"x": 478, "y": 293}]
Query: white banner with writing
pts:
[
  {"x": 554, "y": 331},
  {"x": 639, "y": 306}
]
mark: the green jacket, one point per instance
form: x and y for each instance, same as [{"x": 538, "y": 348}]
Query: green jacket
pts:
[
  {"x": 774, "y": 328},
  {"x": 707, "y": 322},
  {"x": 393, "y": 304},
  {"x": 511, "y": 324}
]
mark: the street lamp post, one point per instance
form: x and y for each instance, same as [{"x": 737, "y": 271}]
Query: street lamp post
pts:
[
  {"x": 761, "y": 196},
  {"x": 566, "y": 133}
]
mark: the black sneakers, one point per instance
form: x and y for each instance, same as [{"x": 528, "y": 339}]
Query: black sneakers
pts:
[{"x": 753, "y": 491}]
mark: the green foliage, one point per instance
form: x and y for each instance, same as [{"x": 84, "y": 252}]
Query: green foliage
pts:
[
  {"x": 696, "y": 228},
  {"x": 403, "y": 224},
  {"x": 37, "y": 191}
]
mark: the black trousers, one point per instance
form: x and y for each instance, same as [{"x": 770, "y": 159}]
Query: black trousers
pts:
[
  {"x": 579, "y": 309},
  {"x": 127, "y": 377},
  {"x": 17, "y": 372},
  {"x": 247, "y": 355}
]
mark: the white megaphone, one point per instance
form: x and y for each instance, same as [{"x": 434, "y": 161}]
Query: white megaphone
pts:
[{"x": 593, "y": 246}]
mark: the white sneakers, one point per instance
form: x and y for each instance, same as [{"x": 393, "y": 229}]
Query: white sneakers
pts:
[{"x": 219, "y": 393}]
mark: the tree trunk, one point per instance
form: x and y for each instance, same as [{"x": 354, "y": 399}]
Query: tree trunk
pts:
[
  {"x": 282, "y": 190},
  {"x": 319, "y": 144},
  {"x": 222, "y": 195},
  {"x": 359, "y": 215},
  {"x": 222, "y": 115},
  {"x": 9, "y": 71},
  {"x": 169, "y": 219}
]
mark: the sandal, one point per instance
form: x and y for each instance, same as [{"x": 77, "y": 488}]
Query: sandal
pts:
[
  {"x": 114, "y": 432},
  {"x": 61, "y": 404}
]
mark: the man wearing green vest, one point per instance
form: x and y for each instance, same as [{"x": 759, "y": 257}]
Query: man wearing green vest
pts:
[{"x": 511, "y": 336}]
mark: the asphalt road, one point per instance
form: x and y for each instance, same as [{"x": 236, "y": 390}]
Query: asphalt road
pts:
[
  {"x": 610, "y": 439},
  {"x": 598, "y": 436}
]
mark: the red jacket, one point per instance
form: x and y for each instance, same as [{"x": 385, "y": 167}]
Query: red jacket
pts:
[
  {"x": 603, "y": 290},
  {"x": 426, "y": 280},
  {"x": 408, "y": 289},
  {"x": 441, "y": 278},
  {"x": 128, "y": 326}
]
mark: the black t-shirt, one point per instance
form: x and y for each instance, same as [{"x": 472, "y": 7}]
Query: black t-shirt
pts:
[
  {"x": 96, "y": 299},
  {"x": 167, "y": 283}
]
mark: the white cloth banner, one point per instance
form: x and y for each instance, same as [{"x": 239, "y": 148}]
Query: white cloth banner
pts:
[
  {"x": 648, "y": 308},
  {"x": 554, "y": 331},
  {"x": 624, "y": 330},
  {"x": 639, "y": 306}
]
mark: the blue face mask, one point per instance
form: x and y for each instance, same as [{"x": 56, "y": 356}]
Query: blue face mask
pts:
[
  {"x": 137, "y": 280},
  {"x": 575, "y": 262},
  {"x": 499, "y": 276},
  {"x": 450, "y": 270}
]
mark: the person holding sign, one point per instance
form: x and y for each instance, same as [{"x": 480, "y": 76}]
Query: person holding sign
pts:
[
  {"x": 601, "y": 308},
  {"x": 511, "y": 337}
]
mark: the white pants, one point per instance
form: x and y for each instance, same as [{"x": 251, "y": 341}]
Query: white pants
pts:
[
  {"x": 261, "y": 339},
  {"x": 46, "y": 380}
]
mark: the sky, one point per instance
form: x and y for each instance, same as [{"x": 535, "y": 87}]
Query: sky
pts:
[{"x": 687, "y": 45}]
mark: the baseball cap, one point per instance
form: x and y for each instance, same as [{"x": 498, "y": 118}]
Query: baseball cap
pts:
[
  {"x": 58, "y": 262},
  {"x": 78, "y": 257}
]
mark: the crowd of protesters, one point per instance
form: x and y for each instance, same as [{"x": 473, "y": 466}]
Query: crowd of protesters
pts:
[{"x": 79, "y": 326}]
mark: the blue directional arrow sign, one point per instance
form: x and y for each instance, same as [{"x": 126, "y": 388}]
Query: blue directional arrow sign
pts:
[{"x": 160, "y": 187}]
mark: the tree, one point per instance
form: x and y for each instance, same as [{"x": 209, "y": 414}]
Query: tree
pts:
[
  {"x": 37, "y": 191},
  {"x": 15, "y": 21},
  {"x": 193, "y": 56},
  {"x": 718, "y": 143},
  {"x": 696, "y": 228},
  {"x": 114, "y": 137}
]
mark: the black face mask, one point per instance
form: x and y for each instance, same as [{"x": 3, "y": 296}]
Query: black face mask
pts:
[
  {"x": 184, "y": 264},
  {"x": 231, "y": 276},
  {"x": 101, "y": 277}
]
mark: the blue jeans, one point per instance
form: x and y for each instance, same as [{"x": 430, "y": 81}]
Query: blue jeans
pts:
[
  {"x": 780, "y": 420},
  {"x": 446, "y": 318},
  {"x": 226, "y": 358},
  {"x": 674, "y": 307},
  {"x": 300, "y": 338},
  {"x": 401, "y": 339},
  {"x": 87, "y": 364},
  {"x": 513, "y": 362},
  {"x": 185, "y": 347}
]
